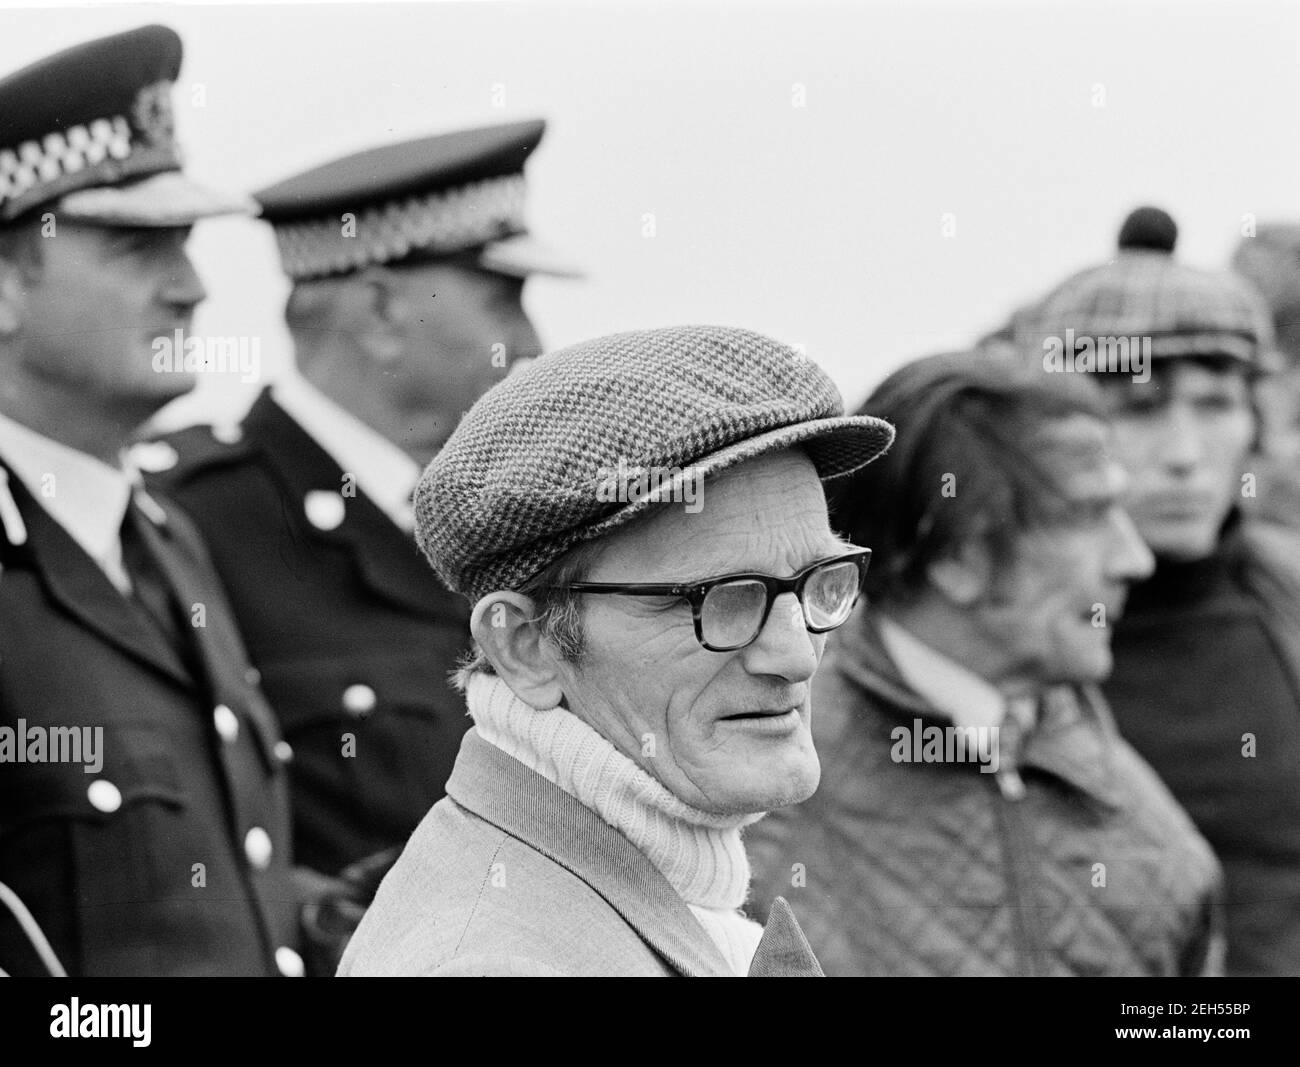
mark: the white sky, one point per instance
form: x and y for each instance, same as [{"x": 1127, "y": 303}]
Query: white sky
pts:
[{"x": 819, "y": 224}]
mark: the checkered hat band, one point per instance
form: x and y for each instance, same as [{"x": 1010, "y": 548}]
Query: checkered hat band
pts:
[
  {"x": 39, "y": 165},
  {"x": 102, "y": 152},
  {"x": 441, "y": 223}
]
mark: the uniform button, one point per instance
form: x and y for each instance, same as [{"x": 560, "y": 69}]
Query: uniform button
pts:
[
  {"x": 253, "y": 676},
  {"x": 154, "y": 457},
  {"x": 324, "y": 509},
  {"x": 289, "y": 962},
  {"x": 104, "y": 796},
  {"x": 257, "y": 847},
  {"x": 358, "y": 700},
  {"x": 226, "y": 722},
  {"x": 228, "y": 433},
  {"x": 283, "y": 751}
]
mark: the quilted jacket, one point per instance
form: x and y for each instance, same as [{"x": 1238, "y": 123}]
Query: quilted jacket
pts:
[{"x": 895, "y": 868}]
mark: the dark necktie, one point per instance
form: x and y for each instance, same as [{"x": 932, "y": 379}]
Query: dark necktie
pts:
[{"x": 151, "y": 593}]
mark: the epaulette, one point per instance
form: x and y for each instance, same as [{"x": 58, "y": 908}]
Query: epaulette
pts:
[{"x": 175, "y": 457}]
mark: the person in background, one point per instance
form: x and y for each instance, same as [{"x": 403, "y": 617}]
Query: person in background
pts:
[
  {"x": 978, "y": 812},
  {"x": 1270, "y": 261},
  {"x": 640, "y": 524},
  {"x": 144, "y": 816},
  {"x": 1207, "y": 656},
  {"x": 408, "y": 265}
]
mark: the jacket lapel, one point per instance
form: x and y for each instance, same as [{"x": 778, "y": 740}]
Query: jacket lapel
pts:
[
  {"x": 220, "y": 647},
  {"x": 76, "y": 583},
  {"x": 386, "y": 557},
  {"x": 501, "y": 790}
]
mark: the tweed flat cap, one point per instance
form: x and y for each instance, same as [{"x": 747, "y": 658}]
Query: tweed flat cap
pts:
[
  {"x": 1145, "y": 292},
  {"x": 520, "y": 481}
]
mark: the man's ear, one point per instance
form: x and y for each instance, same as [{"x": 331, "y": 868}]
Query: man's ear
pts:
[
  {"x": 964, "y": 578},
  {"x": 11, "y": 298},
  {"x": 385, "y": 315},
  {"x": 503, "y": 627}
]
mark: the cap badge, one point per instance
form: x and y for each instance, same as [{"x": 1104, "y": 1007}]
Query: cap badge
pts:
[{"x": 152, "y": 116}]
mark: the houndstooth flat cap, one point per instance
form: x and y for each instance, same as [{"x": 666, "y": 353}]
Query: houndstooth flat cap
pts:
[{"x": 519, "y": 482}]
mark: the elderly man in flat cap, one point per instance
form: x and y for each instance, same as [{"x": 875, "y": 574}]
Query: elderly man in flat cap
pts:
[
  {"x": 408, "y": 265},
  {"x": 1206, "y": 683},
  {"x": 144, "y": 813},
  {"x": 640, "y": 524}
]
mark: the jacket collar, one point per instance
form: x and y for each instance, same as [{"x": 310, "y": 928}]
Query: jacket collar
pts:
[
  {"x": 386, "y": 557},
  {"x": 501, "y": 790},
  {"x": 1073, "y": 740}
]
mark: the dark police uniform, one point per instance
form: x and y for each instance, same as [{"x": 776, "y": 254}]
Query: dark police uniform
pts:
[
  {"x": 353, "y": 633},
  {"x": 172, "y": 857},
  {"x": 348, "y": 624}
]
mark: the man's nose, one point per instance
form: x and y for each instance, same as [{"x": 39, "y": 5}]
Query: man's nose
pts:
[
  {"x": 1129, "y": 559},
  {"x": 783, "y": 648},
  {"x": 182, "y": 288},
  {"x": 1181, "y": 448},
  {"x": 524, "y": 342}
]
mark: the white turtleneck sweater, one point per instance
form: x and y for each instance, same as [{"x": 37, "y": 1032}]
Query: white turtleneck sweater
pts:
[{"x": 699, "y": 853}]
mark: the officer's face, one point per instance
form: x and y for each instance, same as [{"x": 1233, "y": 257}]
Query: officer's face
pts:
[
  {"x": 1184, "y": 437},
  {"x": 727, "y": 732},
  {"x": 103, "y": 303},
  {"x": 465, "y": 327}
]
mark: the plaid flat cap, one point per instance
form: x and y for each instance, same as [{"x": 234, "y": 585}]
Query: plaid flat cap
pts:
[
  {"x": 90, "y": 133},
  {"x": 433, "y": 196},
  {"x": 520, "y": 481},
  {"x": 1145, "y": 292}
]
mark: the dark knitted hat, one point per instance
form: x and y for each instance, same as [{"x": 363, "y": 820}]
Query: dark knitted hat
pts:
[
  {"x": 1144, "y": 291},
  {"x": 519, "y": 482}
]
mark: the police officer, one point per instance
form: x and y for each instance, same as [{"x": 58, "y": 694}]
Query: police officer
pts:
[
  {"x": 143, "y": 798},
  {"x": 408, "y": 264}
]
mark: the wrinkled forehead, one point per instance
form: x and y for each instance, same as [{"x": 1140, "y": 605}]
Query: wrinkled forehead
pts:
[{"x": 1077, "y": 453}]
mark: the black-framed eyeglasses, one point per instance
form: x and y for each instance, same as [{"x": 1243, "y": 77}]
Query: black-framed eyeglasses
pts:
[{"x": 731, "y": 610}]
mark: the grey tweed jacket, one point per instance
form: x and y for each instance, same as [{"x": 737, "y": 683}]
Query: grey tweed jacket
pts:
[{"x": 510, "y": 876}]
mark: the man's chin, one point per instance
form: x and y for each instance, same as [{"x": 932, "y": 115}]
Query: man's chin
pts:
[
  {"x": 1182, "y": 543},
  {"x": 779, "y": 789}
]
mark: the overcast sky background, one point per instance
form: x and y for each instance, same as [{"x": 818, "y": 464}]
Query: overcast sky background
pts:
[{"x": 1036, "y": 125}]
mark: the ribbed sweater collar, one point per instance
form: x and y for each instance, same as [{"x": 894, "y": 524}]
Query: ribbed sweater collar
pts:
[{"x": 699, "y": 853}]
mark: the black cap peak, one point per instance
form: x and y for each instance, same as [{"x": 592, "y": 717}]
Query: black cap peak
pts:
[{"x": 1149, "y": 228}]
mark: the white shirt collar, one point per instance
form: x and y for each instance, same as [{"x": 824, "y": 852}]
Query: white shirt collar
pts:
[
  {"x": 959, "y": 693},
  {"x": 84, "y": 495},
  {"x": 385, "y": 473}
]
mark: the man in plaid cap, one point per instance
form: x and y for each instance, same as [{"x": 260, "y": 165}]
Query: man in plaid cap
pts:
[
  {"x": 408, "y": 265},
  {"x": 1207, "y": 655},
  {"x": 143, "y": 803},
  {"x": 640, "y": 525}
]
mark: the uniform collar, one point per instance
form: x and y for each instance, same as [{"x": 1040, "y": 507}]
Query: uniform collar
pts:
[
  {"x": 86, "y": 496},
  {"x": 385, "y": 473}
]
